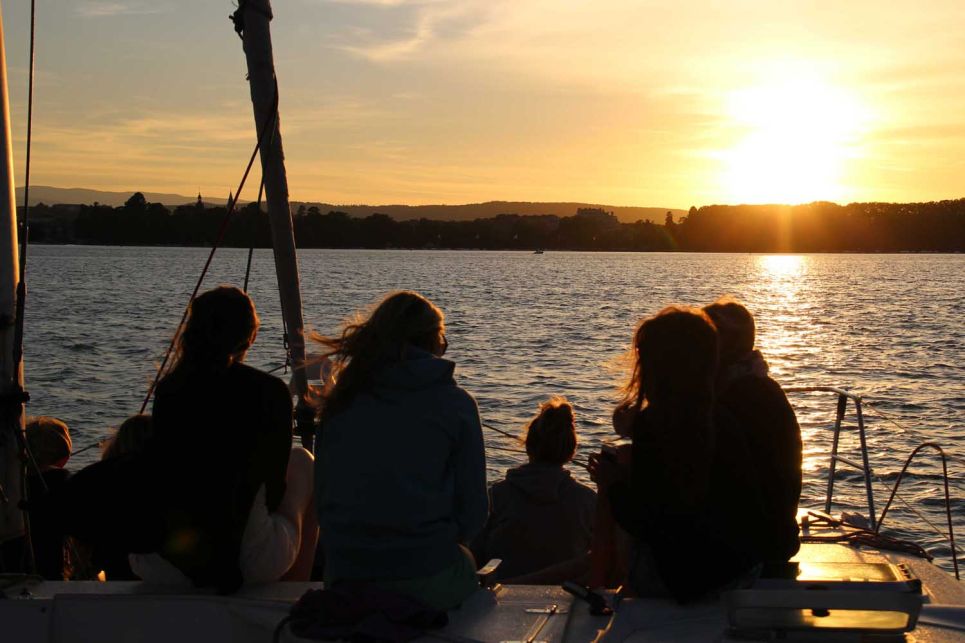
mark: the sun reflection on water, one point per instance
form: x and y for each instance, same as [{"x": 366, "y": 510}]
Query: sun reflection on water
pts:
[
  {"x": 786, "y": 333},
  {"x": 784, "y": 270}
]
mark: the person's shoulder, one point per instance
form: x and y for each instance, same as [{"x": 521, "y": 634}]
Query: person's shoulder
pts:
[
  {"x": 259, "y": 379},
  {"x": 755, "y": 389},
  {"x": 460, "y": 399},
  {"x": 55, "y": 477},
  {"x": 501, "y": 494},
  {"x": 583, "y": 492}
]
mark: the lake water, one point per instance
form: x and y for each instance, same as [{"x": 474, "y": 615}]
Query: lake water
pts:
[{"x": 522, "y": 327}]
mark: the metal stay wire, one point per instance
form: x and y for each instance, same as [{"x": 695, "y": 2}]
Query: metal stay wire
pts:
[{"x": 214, "y": 247}]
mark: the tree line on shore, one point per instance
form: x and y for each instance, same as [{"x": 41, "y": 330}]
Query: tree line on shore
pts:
[{"x": 813, "y": 227}]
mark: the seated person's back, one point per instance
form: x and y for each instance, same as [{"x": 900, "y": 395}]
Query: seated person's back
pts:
[
  {"x": 540, "y": 516},
  {"x": 50, "y": 445},
  {"x": 222, "y": 430},
  {"x": 691, "y": 491},
  {"x": 131, "y": 437},
  {"x": 758, "y": 404},
  {"x": 400, "y": 469}
]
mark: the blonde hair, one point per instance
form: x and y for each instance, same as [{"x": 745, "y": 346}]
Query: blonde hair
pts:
[
  {"x": 48, "y": 439},
  {"x": 402, "y": 320},
  {"x": 131, "y": 436},
  {"x": 551, "y": 434}
]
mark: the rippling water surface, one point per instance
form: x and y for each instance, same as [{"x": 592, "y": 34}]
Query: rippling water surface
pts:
[{"x": 522, "y": 327}]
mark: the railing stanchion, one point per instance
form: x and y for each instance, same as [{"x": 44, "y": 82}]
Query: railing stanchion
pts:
[
  {"x": 833, "y": 465},
  {"x": 867, "y": 467}
]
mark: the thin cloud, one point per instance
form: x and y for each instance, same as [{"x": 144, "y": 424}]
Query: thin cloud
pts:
[
  {"x": 415, "y": 25},
  {"x": 110, "y": 9}
]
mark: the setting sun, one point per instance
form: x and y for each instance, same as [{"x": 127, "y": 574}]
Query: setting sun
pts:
[{"x": 796, "y": 138}]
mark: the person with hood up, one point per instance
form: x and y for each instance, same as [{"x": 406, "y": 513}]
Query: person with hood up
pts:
[
  {"x": 400, "y": 463},
  {"x": 541, "y": 517},
  {"x": 769, "y": 425}
]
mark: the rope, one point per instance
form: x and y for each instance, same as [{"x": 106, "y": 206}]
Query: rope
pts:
[
  {"x": 25, "y": 225},
  {"x": 857, "y": 536},
  {"x": 509, "y": 435},
  {"x": 21, "y": 303},
  {"x": 577, "y": 461},
  {"x": 251, "y": 250},
  {"x": 948, "y": 506},
  {"x": 87, "y": 448},
  {"x": 919, "y": 514},
  {"x": 890, "y": 418},
  {"x": 207, "y": 264}
]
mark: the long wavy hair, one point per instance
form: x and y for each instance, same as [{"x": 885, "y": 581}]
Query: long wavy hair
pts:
[
  {"x": 222, "y": 325},
  {"x": 402, "y": 320},
  {"x": 674, "y": 369}
]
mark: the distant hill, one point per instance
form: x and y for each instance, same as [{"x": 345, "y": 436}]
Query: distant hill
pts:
[
  {"x": 626, "y": 214},
  {"x": 470, "y": 211},
  {"x": 51, "y": 196}
]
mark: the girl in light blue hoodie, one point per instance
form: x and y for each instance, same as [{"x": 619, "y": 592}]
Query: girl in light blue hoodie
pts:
[{"x": 400, "y": 462}]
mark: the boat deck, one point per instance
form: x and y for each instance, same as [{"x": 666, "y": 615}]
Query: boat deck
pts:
[{"x": 133, "y": 611}]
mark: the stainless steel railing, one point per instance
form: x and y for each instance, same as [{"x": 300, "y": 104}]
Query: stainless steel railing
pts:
[{"x": 863, "y": 466}]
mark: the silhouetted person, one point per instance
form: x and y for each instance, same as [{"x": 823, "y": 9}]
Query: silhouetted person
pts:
[
  {"x": 236, "y": 502},
  {"x": 540, "y": 516},
  {"x": 401, "y": 469},
  {"x": 691, "y": 499},
  {"x": 131, "y": 437},
  {"x": 49, "y": 441},
  {"x": 745, "y": 390}
]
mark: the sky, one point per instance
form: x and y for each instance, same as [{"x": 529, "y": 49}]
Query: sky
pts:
[{"x": 623, "y": 102}]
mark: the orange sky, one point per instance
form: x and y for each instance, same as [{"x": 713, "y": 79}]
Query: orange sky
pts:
[{"x": 445, "y": 101}]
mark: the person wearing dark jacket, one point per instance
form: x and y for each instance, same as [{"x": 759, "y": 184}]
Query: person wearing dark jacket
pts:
[
  {"x": 236, "y": 506},
  {"x": 768, "y": 423},
  {"x": 690, "y": 500},
  {"x": 48, "y": 439},
  {"x": 401, "y": 466},
  {"x": 540, "y": 515}
]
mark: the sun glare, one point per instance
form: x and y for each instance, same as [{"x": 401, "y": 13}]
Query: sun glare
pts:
[
  {"x": 796, "y": 139},
  {"x": 782, "y": 267}
]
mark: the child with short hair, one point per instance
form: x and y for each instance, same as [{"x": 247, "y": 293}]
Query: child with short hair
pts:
[
  {"x": 130, "y": 438},
  {"x": 48, "y": 439},
  {"x": 540, "y": 515}
]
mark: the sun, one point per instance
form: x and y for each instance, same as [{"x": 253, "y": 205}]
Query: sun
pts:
[{"x": 795, "y": 139}]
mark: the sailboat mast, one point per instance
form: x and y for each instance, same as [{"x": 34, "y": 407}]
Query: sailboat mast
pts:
[
  {"x": 11, "y": 373},
  {"x": 256, "y": 35}
]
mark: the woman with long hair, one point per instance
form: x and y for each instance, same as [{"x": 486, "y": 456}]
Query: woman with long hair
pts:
[
  {"x": 236, "y": 503},
  {"x": 691, "y": 485},
  {"x": 400, "y": 471}
]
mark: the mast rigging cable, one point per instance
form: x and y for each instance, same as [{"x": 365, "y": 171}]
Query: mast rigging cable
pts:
[{"x": 214, "y": 247}]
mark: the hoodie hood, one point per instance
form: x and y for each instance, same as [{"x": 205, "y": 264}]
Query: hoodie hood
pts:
[
  {"x": 752, "y": 364},
  {"x": 540, "y": 483},
  {"x": 419, "y": 370}
]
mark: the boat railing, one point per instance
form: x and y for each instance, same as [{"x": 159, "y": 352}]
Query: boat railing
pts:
[{"x": 864, "y": 467}]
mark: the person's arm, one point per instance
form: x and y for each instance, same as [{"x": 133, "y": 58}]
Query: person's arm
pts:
[
  {"x": 480, "y": 544},
  {"x": 472, "y": 501},
  {"x": 275, "y": 441}
]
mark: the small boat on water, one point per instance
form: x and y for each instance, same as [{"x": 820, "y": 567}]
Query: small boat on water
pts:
[{"x": 844, "y": 585}]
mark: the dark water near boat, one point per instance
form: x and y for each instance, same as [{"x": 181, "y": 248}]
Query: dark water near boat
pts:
[{"x": 522, "y": 327}]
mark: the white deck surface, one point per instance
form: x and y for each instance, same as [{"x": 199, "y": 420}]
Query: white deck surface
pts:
[{"x": 120, "y": 611}]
